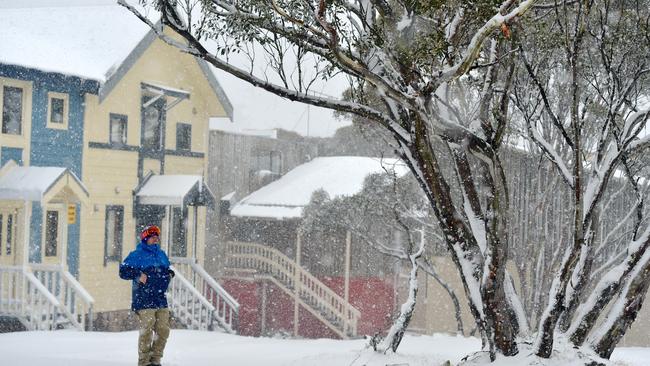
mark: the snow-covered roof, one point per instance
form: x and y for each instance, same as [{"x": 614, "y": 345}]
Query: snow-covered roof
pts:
[
  {"x": 98, "y": 43},
  {"x": 84, "y": 41},
  {"x": 34, "y": 183},
  {"x": 338, "y": 176},
  {"x": 224, "y": 124},
  {"x": 171, "y": 189}
]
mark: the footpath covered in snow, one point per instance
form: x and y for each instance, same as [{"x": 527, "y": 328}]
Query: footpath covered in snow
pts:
[{"x": 195, "y": 348}]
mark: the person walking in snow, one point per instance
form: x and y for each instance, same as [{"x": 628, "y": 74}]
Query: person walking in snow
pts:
[{"x": 148, "y": 268}]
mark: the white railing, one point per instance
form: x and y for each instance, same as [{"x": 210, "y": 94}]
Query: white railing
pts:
[
  {"x": 226, "y": 308},
  {"x": 75, "y": 303},
  {"x": 22, "y": 295},
  {"x": 340, "y": 315},
  {"x": 189, "y": 306}
]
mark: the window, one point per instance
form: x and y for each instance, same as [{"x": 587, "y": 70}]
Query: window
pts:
[
  {"x": 51, "y": 233},
  {"x": 151, "y": 126},
  {"x": 118, "y": 123},
  {"x": 10, "y": 230},
  {"x": 57, "y": 110},
  {"x": 276, "y": 162},
  {"x": 183, "y": 136},
  {"x": 267, "y": 161},
  {"x": 12, "y": 110},
  {"x": 179, "y": 243},
  {"x": 114, "y": 233}
]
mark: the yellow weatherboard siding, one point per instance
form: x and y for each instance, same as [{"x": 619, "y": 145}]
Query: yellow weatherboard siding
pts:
[{"x": 111, "y": 175}]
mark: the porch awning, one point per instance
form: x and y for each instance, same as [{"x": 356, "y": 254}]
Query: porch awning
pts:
[
  {"x": 163, "y": 190},
  {"x": 41, "y": 184},
  {"x": 160, "y": 91}
]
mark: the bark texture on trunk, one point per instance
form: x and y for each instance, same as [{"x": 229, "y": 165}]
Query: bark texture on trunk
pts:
[{"x": 624, "y": 311}]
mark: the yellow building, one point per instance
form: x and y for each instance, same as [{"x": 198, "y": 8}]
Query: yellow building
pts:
[{"x": 123, "y": 116}]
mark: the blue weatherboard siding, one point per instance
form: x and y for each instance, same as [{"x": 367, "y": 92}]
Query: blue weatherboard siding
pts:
[
  {"x": 11, "y": 153},
  {"x": 54, "y": 147}
]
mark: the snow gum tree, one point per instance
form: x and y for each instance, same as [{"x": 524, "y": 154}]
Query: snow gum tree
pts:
[
  {"x": 446, "y": 75},
  {"x": 586, "y": 112}
]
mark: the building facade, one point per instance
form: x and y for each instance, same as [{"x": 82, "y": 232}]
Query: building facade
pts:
[{"x": 123, "y": 147}]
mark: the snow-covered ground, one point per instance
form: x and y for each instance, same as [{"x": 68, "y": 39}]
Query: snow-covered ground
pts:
[{"x": 194, "y": 348}]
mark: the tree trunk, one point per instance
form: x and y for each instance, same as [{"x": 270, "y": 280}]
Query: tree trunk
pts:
[
  {"x": 396, "y": 331},
  {"x": 605, "y": 290},
  {"x": 497, "y": 307},
  {"x": 578, "y": 283},
  {"x": 624, "y": 310}
]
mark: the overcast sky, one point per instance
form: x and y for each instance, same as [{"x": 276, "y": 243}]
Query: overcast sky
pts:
[
  {"x": 254, "y": 108},
  {"x": 38, "y": 3}
]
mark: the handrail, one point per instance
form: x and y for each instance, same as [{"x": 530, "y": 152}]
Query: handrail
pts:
[
  {"x": 304, "y": 304},
  {"x": 271, "y": 261},
  {"x": 41, "y": 289},
  {"x": 24, "y": 296},
  {"x": 78, "y": 287},
  {"x": 203, "y": 273},
  {"x": 226, "y": 308},
  {"x": 194, "y": 291},
  {"x": 189, "y": 306},
  {"x": 75, "y": 302}
]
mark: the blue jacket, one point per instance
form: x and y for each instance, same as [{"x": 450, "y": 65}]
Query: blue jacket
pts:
[{"x": 152, "y": 261}]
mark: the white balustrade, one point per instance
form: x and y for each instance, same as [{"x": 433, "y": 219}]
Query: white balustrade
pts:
[
  {"x": 339, "y": 314},
  {"x": 76, "y": 304},
  {"x": 193, "y": 282},
  {"x": 22, "y": 295}
]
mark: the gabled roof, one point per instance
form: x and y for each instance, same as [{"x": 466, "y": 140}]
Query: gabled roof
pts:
[
  {"x": 98, "y": 43},
  {"x": 41, "y": 184},
  {"x": 84, "y": 41},
  {"x": 337, "y": 175}
]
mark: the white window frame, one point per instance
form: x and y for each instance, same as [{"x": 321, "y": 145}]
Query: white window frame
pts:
[
  {"x": 26, "y": 87},
  {"x": 66, "y": 110}
]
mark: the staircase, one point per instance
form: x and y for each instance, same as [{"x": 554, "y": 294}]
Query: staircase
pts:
[
  {"x": 262, "y": 262},
  {"x": 44, "y": 297},
  {"x": 198, "y": 301}
]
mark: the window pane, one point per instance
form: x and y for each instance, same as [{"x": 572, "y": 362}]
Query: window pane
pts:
[
  {"x": 118, "y": 130},
  {"x": 178, "y": 244},
  {"x": 10, "y": 232},
  {"x": 110, "y": 233},
  {"x": 12, "y": 110},
  {"x": 276, "y": 162},
  {"x": 183, "y": 136},
  {"x": 151, "y": 133},
  {"x": 51, "y": 233},
  {"x": 114, "y": 224},
  {"x": 56, "y": 108}
]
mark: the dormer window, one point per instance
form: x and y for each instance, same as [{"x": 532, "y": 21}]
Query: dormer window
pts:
[
  {"x": 156, "y": 101},
  {"x": 152, "y": 118}
]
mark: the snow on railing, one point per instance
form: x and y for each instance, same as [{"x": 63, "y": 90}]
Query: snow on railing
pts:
[
  {"x": 76, "y": 304},
  {"x": 189, "y": 305},
  {"x": 269, "y": 261},
  {"x": 22, "y": 295},
  {"x": 226, "y": 308}
]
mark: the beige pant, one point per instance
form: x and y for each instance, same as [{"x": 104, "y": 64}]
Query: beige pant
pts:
[{"x": 150, "y": 347}]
